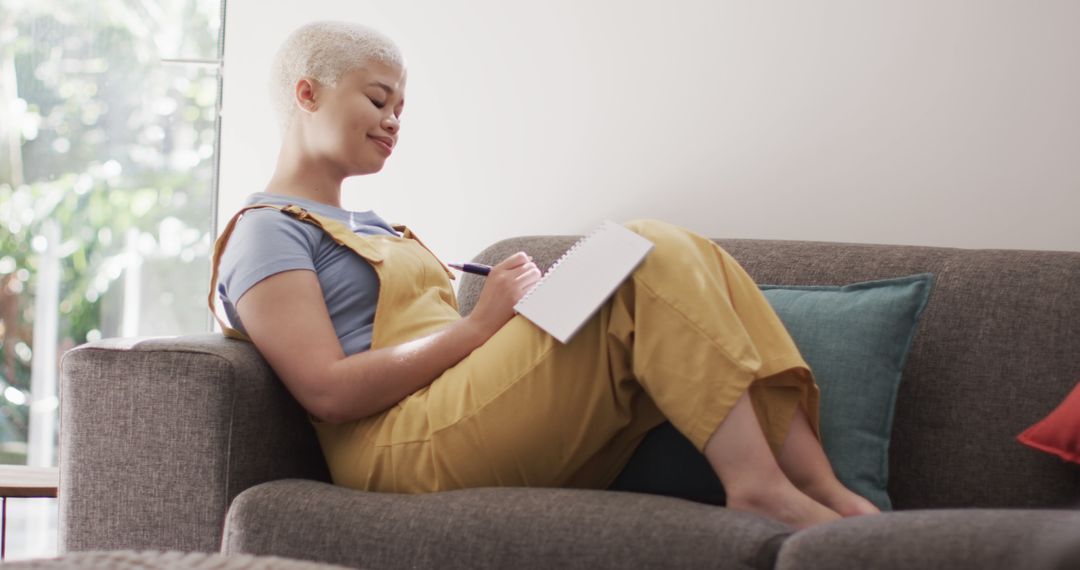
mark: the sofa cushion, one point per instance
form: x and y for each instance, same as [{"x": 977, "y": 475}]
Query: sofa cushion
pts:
[
  {"x": 509, "y": 527},
  {"x": 1059, "y": 432},
  {"x": 856, "y": 340},
  {"x": 988, "y": 539}
]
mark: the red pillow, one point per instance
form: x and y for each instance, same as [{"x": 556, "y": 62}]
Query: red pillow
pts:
[{"x": 1058, "y": 433}]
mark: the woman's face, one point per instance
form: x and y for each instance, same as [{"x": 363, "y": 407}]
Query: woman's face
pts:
[{"x": 356, "y": 123}]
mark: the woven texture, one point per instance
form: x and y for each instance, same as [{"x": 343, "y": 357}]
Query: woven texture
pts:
[
  {"x": 158, "y": 435},
  {"x": 170, "y": 560},
  {"x": 998, "y": 347},
  {"x": 495, "y": 528},
  {"x": 987, "y": 539}
]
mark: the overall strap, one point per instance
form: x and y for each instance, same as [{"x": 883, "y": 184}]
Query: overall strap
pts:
[
  {"x": 219, "y": 248},
  {"x": 337, "y": 231},
  {"x": 409, "y": 234},
  {"x": 344, "y": 236}
]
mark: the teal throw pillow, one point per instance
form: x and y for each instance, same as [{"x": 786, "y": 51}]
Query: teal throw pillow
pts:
[{"x": 856, "y": 340}]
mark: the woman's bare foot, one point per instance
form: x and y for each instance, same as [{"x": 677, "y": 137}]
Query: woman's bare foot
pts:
[
  {"x": 839, "y": 498},
  {"x": 804, "y": 462},
  {"x": 783, "y": 502}
]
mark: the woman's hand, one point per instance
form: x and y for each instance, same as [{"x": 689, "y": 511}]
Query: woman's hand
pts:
[{"x": 503, "y": 288}]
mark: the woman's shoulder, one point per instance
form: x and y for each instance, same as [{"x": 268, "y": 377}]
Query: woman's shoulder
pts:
[
  {"x": 264, "y": 222},
  {"x": 265, "y": 241},
  {"x": 262, "y": 234}
]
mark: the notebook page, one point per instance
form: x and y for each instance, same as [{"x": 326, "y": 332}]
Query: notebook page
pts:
[{"x": 576, "y": 285}]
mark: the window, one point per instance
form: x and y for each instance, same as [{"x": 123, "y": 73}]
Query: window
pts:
[{"x": 108, "y": 161}]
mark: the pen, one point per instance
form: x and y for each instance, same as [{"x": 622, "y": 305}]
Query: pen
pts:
[{"x": 477, "y": 268}]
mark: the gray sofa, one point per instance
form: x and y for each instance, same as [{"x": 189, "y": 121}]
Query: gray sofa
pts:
[{"x": 191, "y": 443}]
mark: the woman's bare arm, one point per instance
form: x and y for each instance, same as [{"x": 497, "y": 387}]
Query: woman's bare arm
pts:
[{"x": 286, "y": 317}]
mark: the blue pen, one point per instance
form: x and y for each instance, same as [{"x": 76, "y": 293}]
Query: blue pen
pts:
[{"x": 477, "y": 268}]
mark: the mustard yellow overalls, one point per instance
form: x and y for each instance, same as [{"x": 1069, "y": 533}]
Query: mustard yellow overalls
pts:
[{"x": 683, "y": 338}]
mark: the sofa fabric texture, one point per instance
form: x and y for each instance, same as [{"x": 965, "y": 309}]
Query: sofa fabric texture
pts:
[
  {"x": 160, "y": 435},
  {"x": 171, "y": 560},
  {"x": 987, "y": 539},
  {"x": 495, "y": 528}
]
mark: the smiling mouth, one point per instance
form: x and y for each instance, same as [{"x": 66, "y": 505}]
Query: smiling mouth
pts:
[{"x": 383, "y": 145}]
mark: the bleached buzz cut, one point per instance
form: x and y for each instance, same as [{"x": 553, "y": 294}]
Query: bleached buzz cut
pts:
[{"x": 324, "y": 51}]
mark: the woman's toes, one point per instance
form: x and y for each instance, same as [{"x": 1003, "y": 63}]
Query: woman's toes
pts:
[
  {"x": 839, "y": 498},
  {"x": 786, "y": 504},
  {"x": 854, "y": 505}
]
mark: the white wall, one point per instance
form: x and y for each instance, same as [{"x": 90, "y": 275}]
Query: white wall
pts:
[{"x": 929, "y": 122}]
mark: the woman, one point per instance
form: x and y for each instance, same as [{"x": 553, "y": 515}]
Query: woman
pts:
[{"x": 359, "y": 321}]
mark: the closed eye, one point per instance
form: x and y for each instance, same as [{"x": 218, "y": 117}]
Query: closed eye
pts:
[{"x": 377, "y": 104}]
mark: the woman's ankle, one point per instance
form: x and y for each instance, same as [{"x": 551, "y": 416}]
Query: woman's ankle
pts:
[{"x": 751, "y": 485}]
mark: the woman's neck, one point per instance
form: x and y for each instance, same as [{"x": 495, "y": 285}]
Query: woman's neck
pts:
[{"x": 301, "y": 176}]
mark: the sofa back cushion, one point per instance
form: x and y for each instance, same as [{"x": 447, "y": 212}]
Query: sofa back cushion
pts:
[{"x": 998, "y": 347}]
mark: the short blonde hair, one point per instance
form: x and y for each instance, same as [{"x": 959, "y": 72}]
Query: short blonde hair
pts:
[{"x": 324, "y": 51}]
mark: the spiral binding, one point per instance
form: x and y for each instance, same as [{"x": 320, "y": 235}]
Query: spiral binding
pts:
[{"x": 555, "y": 265}]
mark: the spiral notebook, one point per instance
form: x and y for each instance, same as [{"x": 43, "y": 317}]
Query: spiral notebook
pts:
[{"x": 575, "y": 286}]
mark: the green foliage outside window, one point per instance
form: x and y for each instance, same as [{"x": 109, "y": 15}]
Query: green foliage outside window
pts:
[{"x": 104, "y": 137}]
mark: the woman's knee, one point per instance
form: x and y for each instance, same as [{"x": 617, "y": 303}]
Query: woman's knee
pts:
[
  {"x": 651, "y": 228},
  {"x": 671, "y": 243}
]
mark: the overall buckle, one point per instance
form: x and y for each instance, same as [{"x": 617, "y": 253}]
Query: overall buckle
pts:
[{"x": 296, "y": 211}]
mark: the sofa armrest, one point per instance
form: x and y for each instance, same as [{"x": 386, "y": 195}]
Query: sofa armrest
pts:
[{"x": 157, "y": 436}]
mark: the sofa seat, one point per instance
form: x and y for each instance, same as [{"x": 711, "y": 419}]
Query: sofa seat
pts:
[
  {"x": 495, "y": 528},
  {"x": 945, "y": 539}
]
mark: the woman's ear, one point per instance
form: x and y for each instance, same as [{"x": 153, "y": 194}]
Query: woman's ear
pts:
[{"x": 304, "y": 94}]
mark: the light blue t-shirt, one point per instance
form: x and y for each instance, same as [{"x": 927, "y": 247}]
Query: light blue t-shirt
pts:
[{"x": 267, "y": 241}]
